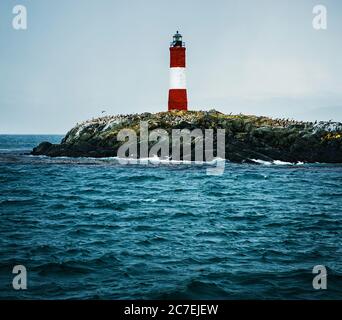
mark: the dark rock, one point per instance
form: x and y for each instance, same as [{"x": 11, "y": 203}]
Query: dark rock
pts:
[
  {"x": 247, "y": 137},
  {"x": 42, "y": 148}
]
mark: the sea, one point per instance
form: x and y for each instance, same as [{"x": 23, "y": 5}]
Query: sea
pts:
[{"x": 87, "y": 228}]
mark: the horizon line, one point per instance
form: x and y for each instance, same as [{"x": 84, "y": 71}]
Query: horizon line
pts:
[{"x": 32, "y": 134}]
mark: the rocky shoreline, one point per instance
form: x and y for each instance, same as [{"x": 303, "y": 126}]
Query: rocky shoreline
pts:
[{"x": 247, "y": 137}]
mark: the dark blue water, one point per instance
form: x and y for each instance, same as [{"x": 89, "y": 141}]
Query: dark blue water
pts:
[{"x": 87, "y": 228}]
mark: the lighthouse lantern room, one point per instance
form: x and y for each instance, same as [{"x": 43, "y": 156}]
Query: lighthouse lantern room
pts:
[{"x": 177, "y": 90}]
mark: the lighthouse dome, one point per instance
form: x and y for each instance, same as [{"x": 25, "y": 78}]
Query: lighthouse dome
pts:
[{"x": 177, "y": 40}]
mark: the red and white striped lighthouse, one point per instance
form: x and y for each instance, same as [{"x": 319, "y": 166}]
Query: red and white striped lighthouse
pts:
[{"x": 177, "y": 91}]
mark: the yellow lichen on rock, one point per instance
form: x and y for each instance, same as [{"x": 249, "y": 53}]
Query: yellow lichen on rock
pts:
[{"x": 332, "y": 136}]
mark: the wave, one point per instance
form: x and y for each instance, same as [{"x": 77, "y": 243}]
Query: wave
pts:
[
  {"x": 155, "y": 160},
  {"x": 277, "y": 162},
  {"x": 159, "y": 160},
  {"x": 18, "y": 202},
  {"x": 3, "y": 150},
  {"x": 62, "y": 268},
  {"x": 194, "y": 289}
]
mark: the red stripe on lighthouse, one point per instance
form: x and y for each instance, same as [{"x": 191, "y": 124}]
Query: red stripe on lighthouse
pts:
[
  {"x": 178, "y": 99},
  {"x": 177, "y": 57}
]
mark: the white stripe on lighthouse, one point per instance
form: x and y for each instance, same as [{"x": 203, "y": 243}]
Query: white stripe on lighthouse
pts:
[{"x": 177, "y": 78}]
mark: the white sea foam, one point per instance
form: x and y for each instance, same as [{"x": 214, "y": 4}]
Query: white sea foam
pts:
[
  {"x": 266, "y": 163},
  {"x": 282, "y": 163},
  {"x": 277, "y": 162},
  {"x": 158, "y": 160}
]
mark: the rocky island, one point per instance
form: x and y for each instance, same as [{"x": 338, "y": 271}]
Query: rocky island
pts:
[{"x": 247, "y": 137}]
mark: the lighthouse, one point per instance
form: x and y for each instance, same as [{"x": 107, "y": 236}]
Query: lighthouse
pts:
[{"x": 177, "y": 89}]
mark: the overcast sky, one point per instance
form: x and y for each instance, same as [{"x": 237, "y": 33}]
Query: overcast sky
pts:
[{"x": 80, "y": 57}]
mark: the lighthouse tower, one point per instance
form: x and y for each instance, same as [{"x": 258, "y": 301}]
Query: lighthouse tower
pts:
[{"x": 177, "y": 91}]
